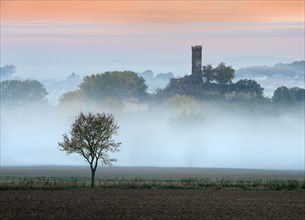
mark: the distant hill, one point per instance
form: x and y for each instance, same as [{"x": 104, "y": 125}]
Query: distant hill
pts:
[
  {"x": 294, "y": 69},
  {"x": 58, "y": 87},
  {"x": 158, "y": 81},
  {"x": 249, "y": 61},
  {"x": 147, "y": 74},
  {"x": 271, "y": 77}
]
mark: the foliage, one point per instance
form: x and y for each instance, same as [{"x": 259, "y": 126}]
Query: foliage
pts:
[
  {"x": 208, "y": 73},
  {"x": 250, "y": 86},
  {"x": 224, "y": 74},
  {"x": 7, "y": 71},
  {"x": 116, "y": 84},
  {"x": 11, "y": 183},
  {"x": 71, "y": 97},
  {"x": 185, "y": 110},
  {"x": 20, "y": 93},
  {"x": 298, "y": 93},
  {"x": 182, "y": 103},
  {"x": 282, "y": 95},
  {"x": 91, "y": 137}
]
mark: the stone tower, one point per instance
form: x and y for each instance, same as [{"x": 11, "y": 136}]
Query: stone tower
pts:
[{"x": 196, "y": 62}]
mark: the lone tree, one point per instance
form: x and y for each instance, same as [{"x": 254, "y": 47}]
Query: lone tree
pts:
[{"x": 91, "y": 136}]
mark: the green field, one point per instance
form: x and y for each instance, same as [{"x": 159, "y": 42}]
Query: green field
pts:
[{"x": 63, "y": 177}]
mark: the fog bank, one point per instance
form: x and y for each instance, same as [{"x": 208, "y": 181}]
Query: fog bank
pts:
[{"x": 163, "y": 137}]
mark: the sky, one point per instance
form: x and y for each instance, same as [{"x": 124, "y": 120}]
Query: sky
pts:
[{"x": 52, "y": 39}]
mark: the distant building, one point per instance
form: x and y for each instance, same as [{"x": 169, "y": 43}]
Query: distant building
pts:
[
  {"x": 193, "y": 84},
  {"x": 196, "y": 77},
  {"x": 197, "y": 62}
]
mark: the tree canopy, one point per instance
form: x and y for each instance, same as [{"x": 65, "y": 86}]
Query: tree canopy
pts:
[
  {"x": 91, "y": 136},
  {"x": 182, "y": 103},
  {"x": 222, "y": 74},
  {"x": 282, "y": 95},
  {"x": 208, "y": 73},
  {"x": 116, "y": 84},
  {"x": 250, "y": 86},
  {"x": 298, "y": 93},
  {"x": 71, "y": 97},
  {"x": 19, "y": 93}
]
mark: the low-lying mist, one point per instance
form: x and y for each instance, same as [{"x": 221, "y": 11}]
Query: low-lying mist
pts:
[{"x": 211, "y": 136}]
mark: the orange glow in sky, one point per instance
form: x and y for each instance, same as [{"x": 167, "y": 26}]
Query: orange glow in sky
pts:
[
  {"x": 151, "y": 11},
  {"x": 100, "y": 35}
]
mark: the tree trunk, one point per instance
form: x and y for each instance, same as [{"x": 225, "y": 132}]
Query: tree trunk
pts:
[{"x": 92, "y": 177}]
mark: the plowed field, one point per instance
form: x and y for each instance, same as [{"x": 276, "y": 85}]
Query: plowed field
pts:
[{"x": 151, "y": 204}]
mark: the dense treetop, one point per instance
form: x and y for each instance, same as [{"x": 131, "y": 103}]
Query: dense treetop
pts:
[
  {"x": 92, "y": 136},
  {"x": 19, "y": 93},
  {"x": 125, "y": 84},
  {"x": 222, "y": 74},
  {"x": 71, "y": 97},
  {"x": 182, "y": 103},
  {"x": 298, "y": 93},
  {"x": 250, "y": 86},
  {"x": 282, "y": 95}
]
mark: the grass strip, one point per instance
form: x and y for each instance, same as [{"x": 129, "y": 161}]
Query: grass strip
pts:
[{"x": 50, "y": 183}]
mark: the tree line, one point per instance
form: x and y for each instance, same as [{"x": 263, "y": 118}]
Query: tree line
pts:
[{"x": 116, "y": 86}]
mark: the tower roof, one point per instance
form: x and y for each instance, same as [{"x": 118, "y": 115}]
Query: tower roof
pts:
[{"x": 197, "y": 47}]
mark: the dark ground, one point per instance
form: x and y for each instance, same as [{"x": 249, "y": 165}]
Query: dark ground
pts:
[{"x": 152, "y": 204}]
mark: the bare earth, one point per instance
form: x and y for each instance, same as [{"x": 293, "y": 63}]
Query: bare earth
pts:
[{"x": 152, "y": 204}]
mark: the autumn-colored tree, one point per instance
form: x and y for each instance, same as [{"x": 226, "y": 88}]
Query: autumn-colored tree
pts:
[
  {"x": 182, "y": 103},
  {"x": 71, "y": 97},
  {"x": 91, "y": 136}
]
